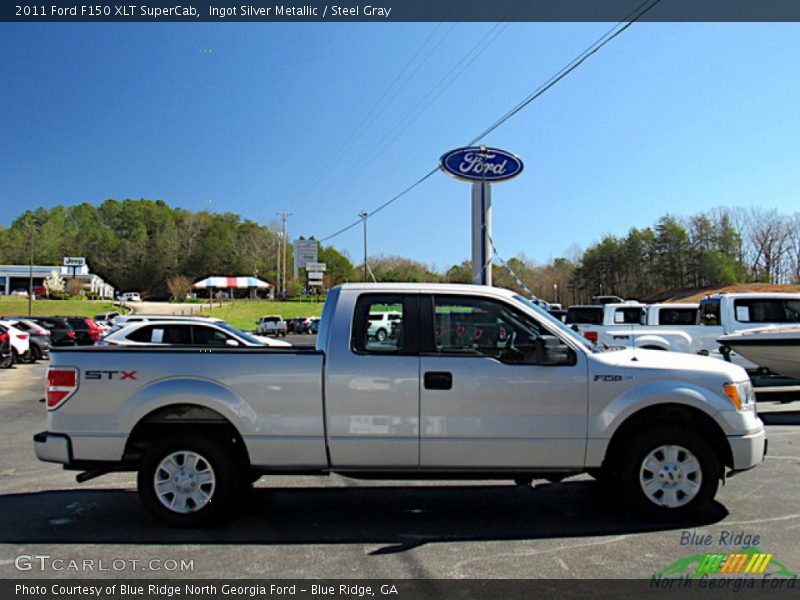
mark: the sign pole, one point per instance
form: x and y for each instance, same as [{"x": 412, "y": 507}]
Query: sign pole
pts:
[{"x": 481, "y": 232}]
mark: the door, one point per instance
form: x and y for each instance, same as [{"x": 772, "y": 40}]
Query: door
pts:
[
  {"x": 492, "y": 397},
  {"x": 372, "y": 386}
]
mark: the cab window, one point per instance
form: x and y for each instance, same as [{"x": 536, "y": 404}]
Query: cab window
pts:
[{"x": 471, "y": 326}]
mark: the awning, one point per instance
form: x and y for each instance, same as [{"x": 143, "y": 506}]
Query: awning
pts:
[{"x": 231, "y": 282}]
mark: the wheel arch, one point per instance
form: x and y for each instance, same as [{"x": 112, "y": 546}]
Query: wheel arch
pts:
[
  {"x": 182, "y": 418},
  {"x": 669, "y": 414}
]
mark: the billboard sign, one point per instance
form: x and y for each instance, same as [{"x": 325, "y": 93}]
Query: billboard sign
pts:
[
  {"x": 305, "y": 251},
  {"x": 74, "y": 261}
]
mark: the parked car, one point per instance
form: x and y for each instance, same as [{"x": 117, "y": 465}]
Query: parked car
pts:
[
  {"x": 61, "y": 333},
  {"x": 39, "y": 338},
  {"x": 383, "y": 324},
  {"x": 20, "y": 342},
  {"x": 87, "y": 333},
  {"x": 186, "y": 332},
  {"x": 20, "y": 292},
  {"x": 313, "y": 329},
  {"x": 484, "y": 384},
  {"x": 6, "y": 355},
  {"x": 271, "y": 325},
  {"x": 130, "y": 297},
  {"x": 298, "y": 325},
  {"x": 107, "y": 317}
]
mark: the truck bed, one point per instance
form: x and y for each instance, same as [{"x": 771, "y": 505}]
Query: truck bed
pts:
[{"x": 274, "y": 394}]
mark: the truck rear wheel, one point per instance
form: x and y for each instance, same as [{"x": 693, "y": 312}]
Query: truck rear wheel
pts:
[
  {"x": 669, "y": 472},
  {"x": 189, "y": 481}
]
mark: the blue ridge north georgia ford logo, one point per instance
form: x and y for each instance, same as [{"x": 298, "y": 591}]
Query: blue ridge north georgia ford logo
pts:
[{"x": 480, "y": 163}]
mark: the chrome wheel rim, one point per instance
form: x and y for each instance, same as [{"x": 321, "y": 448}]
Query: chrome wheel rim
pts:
[
  {"x": 670, "y": 476},
  {"x": 184, "y": 482}
]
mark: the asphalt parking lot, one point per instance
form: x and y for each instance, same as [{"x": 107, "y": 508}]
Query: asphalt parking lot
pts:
[{"x": 325, "y": 527}]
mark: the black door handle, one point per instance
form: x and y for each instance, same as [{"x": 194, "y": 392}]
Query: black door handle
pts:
[{"x": 438, "y": 380}]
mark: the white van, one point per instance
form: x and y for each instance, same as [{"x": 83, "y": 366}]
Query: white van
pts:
[{"x": 130, "y": 297}]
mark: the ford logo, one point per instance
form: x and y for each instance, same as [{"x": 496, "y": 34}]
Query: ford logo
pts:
[{"x": 481, "y": 164}]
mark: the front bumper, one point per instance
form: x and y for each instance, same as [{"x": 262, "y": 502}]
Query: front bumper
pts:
[
  {"x": 53, "y": 447},
  {"x": 748, "y": 450}
]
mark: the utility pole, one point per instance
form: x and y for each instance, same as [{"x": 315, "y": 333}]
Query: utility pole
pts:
[
  {"x": 364, "y": 214},
  {"x": 30, "y": 273},
  {"x": 282, "y": 272}
]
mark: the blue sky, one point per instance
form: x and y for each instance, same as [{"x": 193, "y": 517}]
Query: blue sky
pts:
[{"x": 255, "y": 118}]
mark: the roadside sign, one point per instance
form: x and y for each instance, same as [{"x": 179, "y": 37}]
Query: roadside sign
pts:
[
  {"x": 74, "y": 261},
  {"x": 315, "y": 275},
  {"x": 315, "y": 282},
  {"x": 315, "y": 266},
  {"x": 482, "y": 164}
]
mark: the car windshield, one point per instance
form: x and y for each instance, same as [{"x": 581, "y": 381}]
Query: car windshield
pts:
[
  {"x": 238, "y": 332},
  {"x": 548, "y": 318}
]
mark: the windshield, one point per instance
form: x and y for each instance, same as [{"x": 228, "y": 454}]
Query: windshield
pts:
[
  {"x": 242, "y": 334},
  {"x": 556, "y": 324}
]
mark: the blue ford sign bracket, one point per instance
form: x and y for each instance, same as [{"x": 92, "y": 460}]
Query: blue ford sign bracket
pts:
[{"x": 480, "y": 163}]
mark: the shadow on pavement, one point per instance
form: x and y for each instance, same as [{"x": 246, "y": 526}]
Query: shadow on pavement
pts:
[
  {"x": 399, "y": 517},
  {"x": 787, "y": 417}
]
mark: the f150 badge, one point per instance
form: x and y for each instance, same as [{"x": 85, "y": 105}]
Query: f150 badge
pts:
[
  {"x": 613, "y": 377},
  {"x": 111, "y": 375}
]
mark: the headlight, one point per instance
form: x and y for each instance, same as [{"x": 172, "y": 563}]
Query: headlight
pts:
[{"x": 740, "y": 394}]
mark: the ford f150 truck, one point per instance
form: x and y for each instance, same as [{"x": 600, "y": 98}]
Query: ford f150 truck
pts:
[{"x": 476, "y": 382}]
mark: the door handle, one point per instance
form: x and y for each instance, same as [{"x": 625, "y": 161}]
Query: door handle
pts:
[{"x": 438, "y": 380}]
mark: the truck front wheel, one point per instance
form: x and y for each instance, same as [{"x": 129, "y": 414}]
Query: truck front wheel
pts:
[
  {"x": 669, "y": 472},
  {"x": 189, "y": 481}
]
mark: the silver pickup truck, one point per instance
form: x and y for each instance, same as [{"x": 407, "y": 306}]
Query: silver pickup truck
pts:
[{"x": 472, "y": 382}]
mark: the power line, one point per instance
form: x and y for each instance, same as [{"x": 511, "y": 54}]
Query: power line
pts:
[
  {"x": 612, "y": 33},
  {"x": 368, "y": 119}
]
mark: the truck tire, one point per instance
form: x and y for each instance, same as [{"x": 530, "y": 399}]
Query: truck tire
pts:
[
  {"x": 380, "y": 335},
  {"x": 669, "y": 472},
  {"x": 189, "y": 481}
]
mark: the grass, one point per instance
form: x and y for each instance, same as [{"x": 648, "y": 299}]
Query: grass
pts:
[
  {"x": 244, "y": 313},
  {"x": 18, "y": 306}
]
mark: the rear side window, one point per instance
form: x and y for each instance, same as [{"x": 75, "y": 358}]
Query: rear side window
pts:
[
  {"x": 374, "y": 332},
  {"x": 767, "y": 310},
  {"x": 584, "y": 315},
  {"x": 677, "y": 316}
]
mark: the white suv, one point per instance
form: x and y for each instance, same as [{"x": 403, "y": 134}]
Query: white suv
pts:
[
  {"x": 383, "y": 325},
  {"x": 130, "y": 297}
]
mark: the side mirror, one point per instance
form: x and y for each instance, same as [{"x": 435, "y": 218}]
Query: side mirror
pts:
[
  {"x": 550, "y": 350},
  {"x": 232, "y": 343}
]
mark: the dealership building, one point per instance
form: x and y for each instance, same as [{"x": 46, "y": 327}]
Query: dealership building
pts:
[{"x": 16, "y": 277}]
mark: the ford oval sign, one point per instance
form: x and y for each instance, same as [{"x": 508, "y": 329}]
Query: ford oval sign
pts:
[{"x": 481, "y": 164}]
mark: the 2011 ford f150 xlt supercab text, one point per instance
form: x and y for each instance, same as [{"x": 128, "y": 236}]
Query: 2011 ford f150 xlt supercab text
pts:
[{"x": 473, "y": 382}]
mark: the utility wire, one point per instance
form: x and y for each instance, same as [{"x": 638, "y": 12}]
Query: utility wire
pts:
[{"x": 612, "y": 33}]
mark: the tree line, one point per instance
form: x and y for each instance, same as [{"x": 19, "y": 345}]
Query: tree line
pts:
[
  {"x": 142, "y": 244},
  {"x": 148, "y": 246}
]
